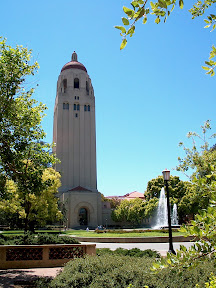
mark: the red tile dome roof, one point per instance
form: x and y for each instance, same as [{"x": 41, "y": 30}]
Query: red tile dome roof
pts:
[{"x": 74, "y": 64}]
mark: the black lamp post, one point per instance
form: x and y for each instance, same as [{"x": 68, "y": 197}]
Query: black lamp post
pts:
[{"x": 166, "y": 176}]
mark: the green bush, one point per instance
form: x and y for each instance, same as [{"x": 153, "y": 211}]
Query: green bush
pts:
[
  {"x": 109, "y": 271},
  {"x": 125, "y": 252},
  {"x": 36, "y": 239}
]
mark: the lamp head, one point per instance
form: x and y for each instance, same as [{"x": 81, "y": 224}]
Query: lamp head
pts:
[{"x": 166, "y": 175}]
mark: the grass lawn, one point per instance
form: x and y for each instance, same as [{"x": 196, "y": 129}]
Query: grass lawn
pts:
[{"x": 82, "y": 233}]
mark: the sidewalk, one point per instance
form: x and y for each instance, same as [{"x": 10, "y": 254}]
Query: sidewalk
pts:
[{"x": 17, "y": 276}]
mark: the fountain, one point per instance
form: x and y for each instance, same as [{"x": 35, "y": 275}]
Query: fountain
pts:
[
  {"x": 161, "y": 215},
  {"x": 162, "y": 218},
  {"x": 174, "y": 219}
]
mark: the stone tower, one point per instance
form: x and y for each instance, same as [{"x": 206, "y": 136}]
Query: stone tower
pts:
[{"x": 75, "y": 139}]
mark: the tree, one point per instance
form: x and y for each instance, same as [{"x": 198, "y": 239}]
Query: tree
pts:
[
  {"x": 134, "y": 211},
  {"x": 24, "y": 156},
  {"x": 178, "y": 189},
  {"x": 176, "y": 186},
  {"x": 129, "y": 211},
  {"x": 161, "y": 9},
  {"x": 200, "y": 161},
  {"x": 43, "y": 207}
]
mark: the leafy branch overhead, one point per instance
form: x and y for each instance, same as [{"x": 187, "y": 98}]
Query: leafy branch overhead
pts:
[{"x": 161, "y": 9}]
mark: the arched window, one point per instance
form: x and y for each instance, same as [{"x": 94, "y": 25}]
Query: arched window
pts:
[
  {"x": 87, "y": 88},
  {"x": 78, "y": 107},
  {"x": 76, "y": 83},
  {"x": 64, "y": 85},
  {"x": 66, "y": 106},
  {"x": 88, "y": 107}
]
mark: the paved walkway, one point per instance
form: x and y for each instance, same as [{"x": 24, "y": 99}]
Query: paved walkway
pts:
[
  {"x": 17, "y": 276},
  {"x": 12, "y": 276}
]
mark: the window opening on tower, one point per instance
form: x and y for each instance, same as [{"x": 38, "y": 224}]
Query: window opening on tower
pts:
[
  {"x": 87, "y": 88},
  {"x": 86, "y": 107},
  {"x": 76, "y": 83},
  {"x": 66, "y": 106},
  {"x": 64, "y": 85},
  {"x": 77, "y": 107}
]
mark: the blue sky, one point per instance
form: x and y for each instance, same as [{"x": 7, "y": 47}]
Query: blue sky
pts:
[{"x": 148, "y": 96}]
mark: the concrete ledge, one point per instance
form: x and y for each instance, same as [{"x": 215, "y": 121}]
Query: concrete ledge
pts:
[
  {"x": 53, "y": 255},
  {"x": 161, "y": 239}
]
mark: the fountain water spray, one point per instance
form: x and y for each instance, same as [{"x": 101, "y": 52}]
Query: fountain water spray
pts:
[
  {"x": 174, "y": 216},
  {"x": 162, "y": 218}
]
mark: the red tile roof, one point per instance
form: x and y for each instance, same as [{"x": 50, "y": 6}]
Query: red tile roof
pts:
[
  {"x": 79, "y": 188},
  {"x": 74, "y": 65}
]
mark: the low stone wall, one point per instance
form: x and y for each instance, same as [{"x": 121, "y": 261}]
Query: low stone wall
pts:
[
  {"x": 160, "y": 239},
  {"x": 53, "y": 255}
]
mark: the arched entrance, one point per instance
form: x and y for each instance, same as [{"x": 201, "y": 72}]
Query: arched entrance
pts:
[{"x": 83, "y": 216}]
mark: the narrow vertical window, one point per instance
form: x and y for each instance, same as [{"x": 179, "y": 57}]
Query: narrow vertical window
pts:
[
  {"x": 78, "y": 107},
  {"x": 64, "y": 85},
  {"x": 85, "y": 108},
  {"x": 88, "y": 107},
  {"x": 74, "y": 106},
  {"x": 76, "y": 83},
  {"x": 87, "y": 88}
]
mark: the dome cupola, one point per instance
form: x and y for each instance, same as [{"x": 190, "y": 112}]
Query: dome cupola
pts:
[{"x": 74, "y": 64}]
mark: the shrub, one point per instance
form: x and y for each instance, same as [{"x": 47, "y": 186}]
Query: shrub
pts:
[
  {"x": 120, "y": 271},
  {"x": 39, "y": 239},
  {"x": 132, "y": 252}
]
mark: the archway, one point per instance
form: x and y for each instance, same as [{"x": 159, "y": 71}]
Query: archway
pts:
[{"x": 83, "y": 216}]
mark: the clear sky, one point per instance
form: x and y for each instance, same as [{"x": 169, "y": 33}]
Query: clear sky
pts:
[{"x": 148, "y": 96}]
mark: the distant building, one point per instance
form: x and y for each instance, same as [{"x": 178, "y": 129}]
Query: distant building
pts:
[{"x": 128, "y": 196}]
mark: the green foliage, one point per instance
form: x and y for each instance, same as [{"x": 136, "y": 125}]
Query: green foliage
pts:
[
  {"x": 32, "y": 239},
  {"x": 161, "y": 10},
  {"x": 133, "y": 211},
  {"x": 122, "y": 271},
  {"x": 24, "y": 156},
  {"x": 43, "y": 206},
  {"x": 211, "y": 284},
  {"x": 177, "y": 189},
  {"x": 200, "y": 162},
  {"x": 134, "y": 252}
]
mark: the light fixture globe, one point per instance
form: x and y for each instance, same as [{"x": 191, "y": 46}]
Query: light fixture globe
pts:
[{"x": 166, "y": 175}]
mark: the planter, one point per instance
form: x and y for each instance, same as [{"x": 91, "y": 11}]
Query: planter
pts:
[{"x": 51, "y": 255}]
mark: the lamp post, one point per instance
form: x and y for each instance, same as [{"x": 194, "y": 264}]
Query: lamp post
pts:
[{"x": 166, "y": 176}]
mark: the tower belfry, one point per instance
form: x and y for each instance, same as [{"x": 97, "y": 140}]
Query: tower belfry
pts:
[{"x": 74, "y": 135}]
